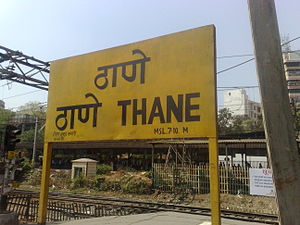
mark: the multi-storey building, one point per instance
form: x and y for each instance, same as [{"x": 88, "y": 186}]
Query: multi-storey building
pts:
[
  {"x": 291, "y": 62},
  {"x": 25, "y": 121},
  {"x": 238, "y": 102}
]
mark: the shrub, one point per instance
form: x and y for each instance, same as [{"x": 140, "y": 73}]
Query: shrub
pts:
[
  {"x": 111, "y": 185},
  {"x": 34, "y": 178},
  {"x": 61, "y": 179},
  {"x": 129, "y": 169},
  {"x": 80, "y": 182},
  {"x": 99, "y": 180},
  {"x": 103, "y": 169},
  {"x": 102, "y": 183},
  {"x": 24, "y": 170},
  {"x": 136, "y": 185}
]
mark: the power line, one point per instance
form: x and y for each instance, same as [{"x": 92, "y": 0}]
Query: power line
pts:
[
  {"x": 290, "y": 41},
  {"x": 8, "y": 83},
  {"x": 238, "y": 87},
  {"x": 248, "y": 55},
  {"x": 234, "y": 88},
  {"x": 237, "y": 65},
  {"x": 234, "y": 56},
  {"x": 249, "y": 60},
  {"x": 26, "y": 93}
]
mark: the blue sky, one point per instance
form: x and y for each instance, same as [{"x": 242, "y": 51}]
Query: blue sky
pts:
[{"x": 50, "y": 30}]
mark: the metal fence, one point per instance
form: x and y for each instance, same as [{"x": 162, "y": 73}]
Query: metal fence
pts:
[
  {"x": 62, "y": 209},
  {"x": 195, "y": 178}
]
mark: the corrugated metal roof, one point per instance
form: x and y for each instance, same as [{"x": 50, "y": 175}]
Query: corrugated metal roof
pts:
[{"x": 229, "y": 141}]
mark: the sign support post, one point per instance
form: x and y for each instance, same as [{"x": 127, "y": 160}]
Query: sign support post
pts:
[
  {"x": 45, "y": 183},
  {"x": 214, "y": 181},
  {"x": 117, "y": 101}
]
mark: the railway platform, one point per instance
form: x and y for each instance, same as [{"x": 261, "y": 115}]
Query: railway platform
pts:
[{"x": 159, "y": 218}]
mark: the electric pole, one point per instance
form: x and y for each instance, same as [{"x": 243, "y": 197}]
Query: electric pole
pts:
[
  {"x": 278, "y": 121},
  {"x": 34, "y": 141}
]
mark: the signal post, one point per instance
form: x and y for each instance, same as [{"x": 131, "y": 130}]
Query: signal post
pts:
[{"x": 10, "y": 140}]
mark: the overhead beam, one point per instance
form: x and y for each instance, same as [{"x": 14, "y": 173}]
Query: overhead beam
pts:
[{"x": 18, "y": 67}]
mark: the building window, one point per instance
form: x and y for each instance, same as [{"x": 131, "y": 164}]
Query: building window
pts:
[
  {"x": 294, "y": 91},
  {"x": 293, "y": 72},
  {"x": 77, "y": 171},
  {"x": 292, "y": 64},
  {"x": 292, "y": 83}
]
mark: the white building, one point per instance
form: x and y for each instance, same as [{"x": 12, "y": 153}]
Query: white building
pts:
[
  {"x": 238, "y": 102},
  {"x": 291, "y": 61}
]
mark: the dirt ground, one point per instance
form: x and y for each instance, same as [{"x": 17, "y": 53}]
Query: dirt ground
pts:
[{"x": 244, "y": 203}]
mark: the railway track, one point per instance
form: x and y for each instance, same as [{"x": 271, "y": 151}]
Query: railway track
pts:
[{"x": 147, "y": 206}]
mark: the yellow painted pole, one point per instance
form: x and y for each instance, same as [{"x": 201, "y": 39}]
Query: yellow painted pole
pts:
[
  {"x": 214, "y": 181},
  {"x": 45, "y": 183}
]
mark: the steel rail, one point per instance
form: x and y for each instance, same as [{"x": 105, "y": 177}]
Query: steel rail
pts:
[{"x": 154, "y": 206}]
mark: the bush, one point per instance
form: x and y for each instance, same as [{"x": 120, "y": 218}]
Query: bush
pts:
[
  {"x": 99, "y": 180},
  {"x": 110, "y": 185},
  {"x": 61, "y": 179},
  {"x": 129, "y": 169},
  {"x": 136, "y": 185},
  {"x": 80, "y": 182},
  {"x": 102, "y": 183},
  {"x": 103, "y": 169},
  {"x": 34, "y": 178},
  {"x": 24, "y": 170}
]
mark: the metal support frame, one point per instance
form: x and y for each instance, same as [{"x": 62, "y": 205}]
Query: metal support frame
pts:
[
  {"x": 23, "y": 69},
  {"x": 182, "y": 157}
]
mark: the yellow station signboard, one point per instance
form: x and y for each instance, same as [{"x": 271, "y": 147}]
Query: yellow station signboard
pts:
[{"x": 163, "y": 87}]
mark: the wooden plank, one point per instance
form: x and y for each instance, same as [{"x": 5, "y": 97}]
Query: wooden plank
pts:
[{"x": 278, "y": 121}]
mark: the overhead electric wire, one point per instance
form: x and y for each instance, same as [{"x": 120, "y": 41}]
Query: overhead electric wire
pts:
[
  {"x": 234, "y": 88},
  {"x": 221, "y": 71},
  {"x": 234, "y": 56},
  {"x": 239, "y": 87},
  {"x": 26, "y": 93},
  {"x": 237, "y": 65},
  {"x": 249, "y": 60},
  {"x": 285, "y": 43},
  {"x": 248, "y": 55}
]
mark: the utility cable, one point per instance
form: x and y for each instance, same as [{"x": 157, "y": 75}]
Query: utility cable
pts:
[
  {"x": 249, "y": 60},
  {"x": 26, "y": 93}
]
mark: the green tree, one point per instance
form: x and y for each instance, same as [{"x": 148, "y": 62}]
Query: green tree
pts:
[
  {"x": 252, "y": 125},
  {"x": 225, "y": 118},
  {"x": 28, "y": 136},
  {"x": 297, "y": 122},
  {"x": 231, "y": 124},
  {"x": 237, "y": 124},
  {"x": 36, "y": 109},
  {"x": 5, "y": 116}
]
